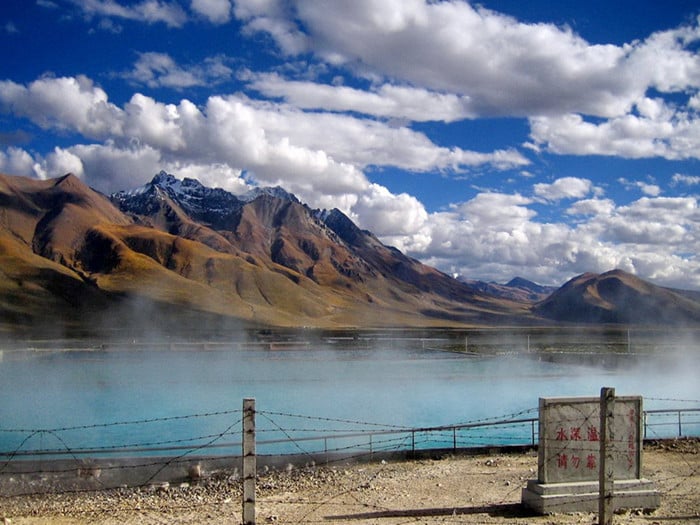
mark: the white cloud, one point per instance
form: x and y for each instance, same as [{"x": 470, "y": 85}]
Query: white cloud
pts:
[
  {"x": 110, "y": 168},
  {"x": 646, "y": 188},
  {"x": 216, "y": 11},
  {"x": 497, "y": 236},
  {"x": 10, "y": 28},
  {"x": 267, "y": 138},
  {"x": 668, "y": 221},
  {"x": 389, "y": 215},
  {"x": 503, "y": 66},
  {"x": 497, "y": 209},
  {"x": 463, "y": 61},
  {"x": 592, "y": 207},
  {"x": 150, "y": 11},
  {"x": 688, "y": 180},
  {"x": 62, "y": 161},
  {"x": 160, "y": 70},
  {"x": 66, "y": 103},
  {"x": 402, "y": 102},
  {"x": 694, "y": 102},
  {"x": 16, "y": 161},
  {"x": 275, "y": 17},
  {"x": 154, "y": 123},
  {"x": 359, "y": 142},
  {"x": 320, "y": 157},
  {"x": 671, "y": 135},
  {"x": 564, "y": 188}
]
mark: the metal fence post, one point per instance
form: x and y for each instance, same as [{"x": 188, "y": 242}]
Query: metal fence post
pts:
[
  {"x": 249, "y": 462},
  {"x": 606, "y": 474}
]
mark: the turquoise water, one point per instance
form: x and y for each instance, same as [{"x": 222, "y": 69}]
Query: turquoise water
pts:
[{"x": 140, "y": 399}]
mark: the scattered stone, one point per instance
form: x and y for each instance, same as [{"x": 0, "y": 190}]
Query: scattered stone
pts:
[{"x": 195, "y": 472}]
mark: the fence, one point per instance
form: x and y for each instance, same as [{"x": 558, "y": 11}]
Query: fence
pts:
[
  {"x": 329, "y": 437},
  {"x": 42, "y": 461}
]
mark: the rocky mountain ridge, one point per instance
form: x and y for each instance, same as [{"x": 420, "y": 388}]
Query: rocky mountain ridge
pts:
[
  {"x": 517, "y": 289},
  {"x": 174, "y": 251}
]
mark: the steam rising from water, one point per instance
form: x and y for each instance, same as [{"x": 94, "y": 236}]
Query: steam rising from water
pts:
[{"x": 415, "y": 380}]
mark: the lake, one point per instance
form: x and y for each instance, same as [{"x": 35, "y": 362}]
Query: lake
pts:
[{"x": 134, "y": 395}]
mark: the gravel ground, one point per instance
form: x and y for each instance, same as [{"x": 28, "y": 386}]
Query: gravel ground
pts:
[{"x": 454, "y": 489}]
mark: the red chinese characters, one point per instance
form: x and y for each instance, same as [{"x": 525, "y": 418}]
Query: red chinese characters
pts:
[
  {"x": 572, "y": 460},
  {"x": 631, "y": 441}
]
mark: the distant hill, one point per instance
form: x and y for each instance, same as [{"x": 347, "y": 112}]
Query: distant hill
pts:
[
  {"x": 517, "y": 289},
  {"x": 619, "y": 297},
  {"x": 178, "y": 249}
]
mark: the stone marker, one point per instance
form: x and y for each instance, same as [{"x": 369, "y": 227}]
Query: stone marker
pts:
[{"x": 568, "y": 457}]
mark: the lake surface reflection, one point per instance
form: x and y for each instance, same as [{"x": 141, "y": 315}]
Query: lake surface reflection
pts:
[{"x": 88, "y": 397}]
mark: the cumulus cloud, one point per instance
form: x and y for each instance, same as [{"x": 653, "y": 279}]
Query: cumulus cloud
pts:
[
  {"x": 318, "y": 156},
  {"x": 275, "y": 17},
  {"x": 66, "y": 103},
  {"x": 494, "y": 235},
  {"x": 564, "y": 188},
  {"x": 62, "y": 161},
  {"x": 270, "y": 139},
  {"x": 216, "y": 11},
  {"x": 646, "y": 188},
  {"x": 16, "y": 161},
  {"x": 160, "y": 70},
  {"x": 592, "y": 207},
  {"x": 151, "y": 11},
  {"x": 390, "y": 215},
  {"x": 503, "y": 66},
  {"x": 671, "y": 135},
  {"x": 460, "y": 60},
  {"x": 688, "y": 180},
  {"x": 355, "y": 141},
  {"x": 388, "y": 100}
]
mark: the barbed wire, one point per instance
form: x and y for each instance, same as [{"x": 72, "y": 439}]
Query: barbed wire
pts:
[
  {"x": 331, "y": 420},
  {"x": 124, "y": 423},
  {"x": 672, "y": 399},
  {"x": 194, "y": 449},
  {"x": 376, "y": 429},
  {"x": 398, "y": 438}
]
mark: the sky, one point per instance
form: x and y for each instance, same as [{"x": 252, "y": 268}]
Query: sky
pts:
[{"x": 491, "y": 140}]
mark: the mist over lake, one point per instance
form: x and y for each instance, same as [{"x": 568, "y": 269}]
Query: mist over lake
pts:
[{"x": 395, "y": 379}]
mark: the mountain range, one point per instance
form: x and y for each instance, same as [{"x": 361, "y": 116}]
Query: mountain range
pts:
[{"x": 174, "y": 253}]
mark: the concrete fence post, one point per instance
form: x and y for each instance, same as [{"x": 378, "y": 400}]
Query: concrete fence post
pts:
[
  {"x": 606, "y": 472},
  {"x": 249, "y": 462}
]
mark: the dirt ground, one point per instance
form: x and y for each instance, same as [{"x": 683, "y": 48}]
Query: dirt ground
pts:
[{"x": 454, "y": 489}]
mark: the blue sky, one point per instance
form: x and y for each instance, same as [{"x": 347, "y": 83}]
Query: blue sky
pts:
[{"x": 492, "y": 140}]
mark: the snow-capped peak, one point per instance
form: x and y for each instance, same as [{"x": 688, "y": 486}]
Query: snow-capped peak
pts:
[
  {"x": 273, "y": 191},
  {"x": 208, "y": 205}
]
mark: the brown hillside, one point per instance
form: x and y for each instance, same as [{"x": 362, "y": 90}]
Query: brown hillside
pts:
[
  {"x": 66, "y": 248},
  {"x": 618, "y": 297}
]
